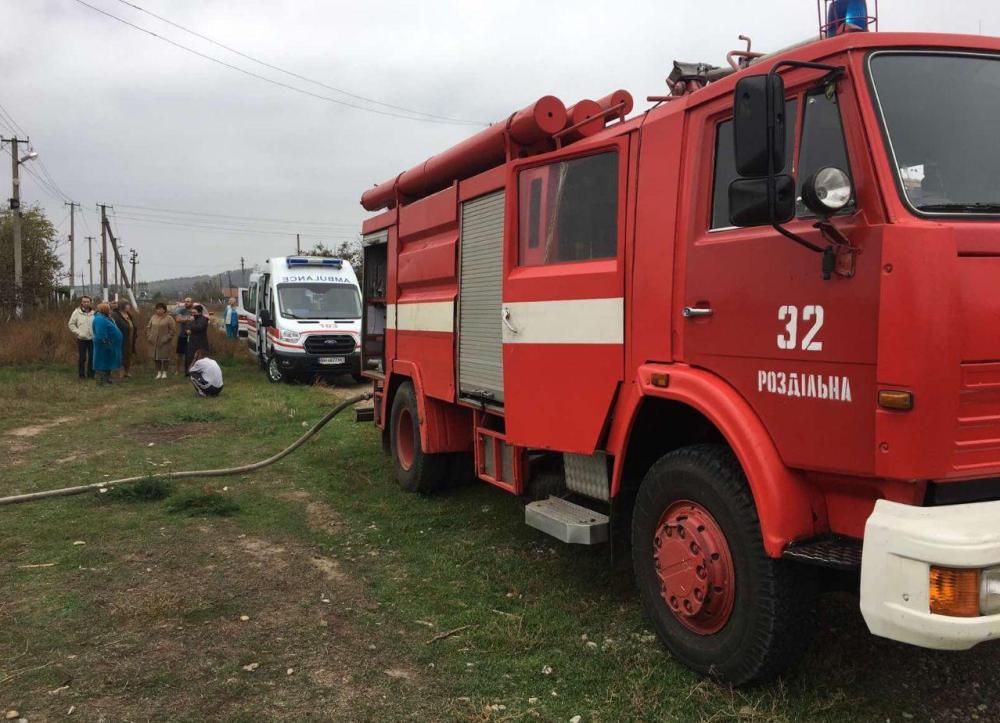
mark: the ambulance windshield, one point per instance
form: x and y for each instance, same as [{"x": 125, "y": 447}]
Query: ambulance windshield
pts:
[
  {"x": 939, "y": 114},
  {"x": 319, "y": 301}
]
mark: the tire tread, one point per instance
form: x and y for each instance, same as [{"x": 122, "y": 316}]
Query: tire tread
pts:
[{"x": 784, "y": 605}]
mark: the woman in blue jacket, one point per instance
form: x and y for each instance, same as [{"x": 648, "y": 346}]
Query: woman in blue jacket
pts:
[{"x": 107, "y": 353}]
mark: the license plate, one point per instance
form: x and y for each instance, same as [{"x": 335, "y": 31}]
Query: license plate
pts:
[{"x": 331, "y": 360}]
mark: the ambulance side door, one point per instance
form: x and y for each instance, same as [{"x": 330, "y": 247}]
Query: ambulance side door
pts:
[{"x": 263, "y": 311}]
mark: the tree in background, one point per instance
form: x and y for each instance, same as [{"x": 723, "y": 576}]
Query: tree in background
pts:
[
  {"x": 348, "y": 250},
  {"x": 206, "y": 291},
  {"x": 39, "y": 262}
]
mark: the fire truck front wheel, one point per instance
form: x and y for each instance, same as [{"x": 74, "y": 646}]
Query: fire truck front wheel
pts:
[
  {"x": 720, "y": 605},
  {"x": 416, "y": 470}
]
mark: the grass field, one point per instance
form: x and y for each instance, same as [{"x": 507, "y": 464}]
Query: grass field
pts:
[{"x": 317, "y": 589}]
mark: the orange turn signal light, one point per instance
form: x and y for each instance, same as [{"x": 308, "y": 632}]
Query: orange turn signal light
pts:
[
  {"x": 954, "y": 592},
  {"x": 895, "y": 399},
  {"x": 659, "y": 379}
]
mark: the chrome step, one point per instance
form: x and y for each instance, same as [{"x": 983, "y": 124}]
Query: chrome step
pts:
[{"x": 566, "y": 521}]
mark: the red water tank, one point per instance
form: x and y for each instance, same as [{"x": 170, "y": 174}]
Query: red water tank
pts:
[
  {"x": 587, "y": 113},
  {"x": 619, "y": 96},
  {"x": 531, "y": 125}
]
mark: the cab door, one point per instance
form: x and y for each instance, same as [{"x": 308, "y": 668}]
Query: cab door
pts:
[
  {"x": 563, "y": 297},
  {"x": 754, "y": 308},
  {"x": 263, "y": 310},
  {"x": 250, "y": 309}
]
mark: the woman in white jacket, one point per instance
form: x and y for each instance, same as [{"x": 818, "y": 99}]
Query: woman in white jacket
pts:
[{"x": 81, "y": 324}]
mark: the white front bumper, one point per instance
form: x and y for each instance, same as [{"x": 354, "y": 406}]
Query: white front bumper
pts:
[{"x": 901, "y": 543}]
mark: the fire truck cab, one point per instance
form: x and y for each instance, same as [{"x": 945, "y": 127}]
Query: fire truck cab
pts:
[{"x": 751, "y": 334}]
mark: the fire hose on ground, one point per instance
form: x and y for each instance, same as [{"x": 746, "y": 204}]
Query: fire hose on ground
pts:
[{"x": 225, "y": 472}]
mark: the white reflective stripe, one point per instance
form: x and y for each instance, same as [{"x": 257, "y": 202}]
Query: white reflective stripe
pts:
[
  {"x": 421, "y": 316},
  {"x": 571, "y": 321}
]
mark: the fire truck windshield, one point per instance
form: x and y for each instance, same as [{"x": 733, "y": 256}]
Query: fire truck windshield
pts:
[
  {"x": 319, "y": 301},
  {"x": 939, "y": 113}
]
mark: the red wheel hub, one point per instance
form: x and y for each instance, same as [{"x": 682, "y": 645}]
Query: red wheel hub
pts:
[
  {"x": 404, "y": 438},
  {"x": 694, "y": 566}
]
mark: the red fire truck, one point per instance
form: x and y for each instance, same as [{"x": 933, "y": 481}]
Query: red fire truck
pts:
[{"x": 751, "y": 335}]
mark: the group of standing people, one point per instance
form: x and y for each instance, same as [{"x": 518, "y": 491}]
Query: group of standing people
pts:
[
  {"x": 105, "y": 338},
  {"x": 106, "y": 342}
]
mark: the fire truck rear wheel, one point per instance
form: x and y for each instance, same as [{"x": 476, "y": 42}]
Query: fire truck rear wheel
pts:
[
  {"x": 416, "y": 470},
  {"x": 717, "y": 601}
]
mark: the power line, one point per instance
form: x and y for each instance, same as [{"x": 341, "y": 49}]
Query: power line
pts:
[
  {"x": 85, "y": 224},
  {"x": 10, "y": 119},
  {"x": 236, "y": 218},
  {"x": 270, "y": 80},
  {"x": 114, "y": 220},
  {"x": 48, "y": 176},
  {"x": 49, "y": 183},
  {"x": 240, "y": 225},
  {"x": 9, "y": 126},
  {"x": 46, "y": 189},
  {"x": 297, "y": 75},
  {"x": 222, "y": 229}
]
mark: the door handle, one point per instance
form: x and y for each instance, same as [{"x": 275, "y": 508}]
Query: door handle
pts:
[
  {"x": 693, "y": 312},
  {"x": 505, "y": 316}
]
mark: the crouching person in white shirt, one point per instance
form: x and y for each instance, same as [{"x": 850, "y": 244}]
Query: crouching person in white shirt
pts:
[{"x": 205, "y": 375}]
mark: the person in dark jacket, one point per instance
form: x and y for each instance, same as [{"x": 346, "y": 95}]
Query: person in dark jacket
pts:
[
  {"x": 124, "y": 324},
  {"x": 197, "y": 334},
  {"x": 107, "y": 354},
  {"x": 133, "y": 316}
]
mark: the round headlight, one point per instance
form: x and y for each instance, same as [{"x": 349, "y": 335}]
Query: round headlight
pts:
[{"x": 827, "y": 191}]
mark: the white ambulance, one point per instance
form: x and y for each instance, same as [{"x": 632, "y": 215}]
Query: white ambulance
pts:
[{"x": 304, "y": 318}]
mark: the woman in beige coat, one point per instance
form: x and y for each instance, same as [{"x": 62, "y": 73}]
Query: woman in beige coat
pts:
[{"x": 161, "y": 333}]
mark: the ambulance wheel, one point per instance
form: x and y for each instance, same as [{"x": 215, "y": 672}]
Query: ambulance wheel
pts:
[
  {"x": 718, "y": 603},
  {"x": 416, "y": 470},
  {"x": 275, "y": 374}
]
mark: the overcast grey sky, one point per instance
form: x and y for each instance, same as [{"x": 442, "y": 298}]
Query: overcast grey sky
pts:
[{"x": 123, "y": 118}]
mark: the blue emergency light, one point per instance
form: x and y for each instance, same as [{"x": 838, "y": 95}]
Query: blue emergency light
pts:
[
  {"x": 846, "y": 16},
  {"x": 307, "y": 261}
]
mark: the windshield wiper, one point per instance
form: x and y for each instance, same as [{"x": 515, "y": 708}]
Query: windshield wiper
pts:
[{"x": 976, "y": 207}]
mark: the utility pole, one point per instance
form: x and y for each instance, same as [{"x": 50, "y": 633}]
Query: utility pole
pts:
[
  {"x": 90, "y": 263},
  {"x": 243, "y": 272},
  {"x": 119, "y": 263},
  {"x": 132, "y": 258},
  {"x": 298, "y": 245},
  {"x": 104, "y": 251},
  {"x": 72, "y": 244},
  {"x": 15, "y": 207}
]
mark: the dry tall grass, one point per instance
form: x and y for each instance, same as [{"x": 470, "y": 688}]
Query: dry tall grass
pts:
[{"x": 44, "y": 337}]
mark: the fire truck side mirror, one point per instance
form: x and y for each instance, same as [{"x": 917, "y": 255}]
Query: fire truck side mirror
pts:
[
  {"x": 752, "y": 116},
  {"x": 748, "y": 201}
]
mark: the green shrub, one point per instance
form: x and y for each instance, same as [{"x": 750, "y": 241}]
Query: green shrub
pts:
[
  {"x": 145, "y": 490},
  {"x": 203, "y": 504}
]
